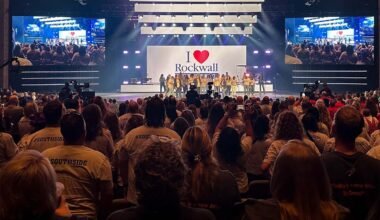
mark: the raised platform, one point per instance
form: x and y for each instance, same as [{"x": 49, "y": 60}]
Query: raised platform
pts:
[{"x": 155, "y": 88}]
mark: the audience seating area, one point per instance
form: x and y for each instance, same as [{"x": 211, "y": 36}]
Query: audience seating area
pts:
[{"x": 164, "y": 158}]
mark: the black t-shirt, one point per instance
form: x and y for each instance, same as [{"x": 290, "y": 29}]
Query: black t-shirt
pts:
[
  {"x": 138, "y": 213},
  {"x": 355, "y": 181}
]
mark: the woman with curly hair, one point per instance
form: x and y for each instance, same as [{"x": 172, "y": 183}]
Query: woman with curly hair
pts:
[
  {"x": 207, "y": 185},
  {"x": 287, "y": 127},
  {"x": 160, "y": 176},
  {"x": 324, "y": 115}
]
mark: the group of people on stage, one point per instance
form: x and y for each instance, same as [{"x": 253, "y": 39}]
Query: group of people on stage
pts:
[{"x": 224, "y": 84}]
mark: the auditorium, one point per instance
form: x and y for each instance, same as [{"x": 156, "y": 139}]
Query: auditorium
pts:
[{"x": 190, "y": 109}]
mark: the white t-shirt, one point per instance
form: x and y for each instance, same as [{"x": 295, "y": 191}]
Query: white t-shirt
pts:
[
  {"x": 43, "y": 139},
  {"x": 276, "y": 147},
  {"x": 134, "y": 141},
  {"x": 80, "y": 169},
  {"x": 374, "y": 152}
]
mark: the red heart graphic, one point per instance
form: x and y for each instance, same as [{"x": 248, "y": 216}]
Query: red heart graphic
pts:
[
  {"x": 72, "y": 33},
  {"x": 340, "y": 32},
  {"x": 201, "y": 56}
]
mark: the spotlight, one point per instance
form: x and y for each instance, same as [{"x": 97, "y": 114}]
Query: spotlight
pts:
[
  {"x": 267, "y": 51},
  {"x": 140, "y": 17},
  {"x": 157, "y": 16},
  {"x": 220, "y": 25},
  {"x": 191, "y": 25},
  {"x": 125, "y": 52},
  {"x": 125, "y": 82},
  {"x": 206, "y": 25},
  {"x": 163, "y": 25},
  {"x": 137, "y": 52},
  {"x": 268, "y": 66},
  {"x": 222, "y": 17},
  {"x": 255, "y": 52},
  {"x": 145, "y": 24},
  {"x": 125, "y": 67},
  {"x": 173, "y": 25},
  {"x": 204, "y": 35},
  {"x": 138, "y": 67},
  {"x": 218, "y": 35},
  {"x": 255, "y": 67},
  {"x": 190, "y": 17},
  {"x": 233, "y": 25},
  {"x": 238, "y": 17},
  {"x": 163, "y": 35},
  {"x": 250, "y": 25}
]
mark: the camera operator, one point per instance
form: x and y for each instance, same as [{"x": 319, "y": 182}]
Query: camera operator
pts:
[
  {"x": 192, "y": 96},
  {"x": 326, "y": 90},
  {"x": 65, "y": 92}
]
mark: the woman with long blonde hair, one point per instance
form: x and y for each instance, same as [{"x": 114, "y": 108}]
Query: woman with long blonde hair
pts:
[
  {"x": 207, "y": 185},
  {"x": 300, "y": 189}
]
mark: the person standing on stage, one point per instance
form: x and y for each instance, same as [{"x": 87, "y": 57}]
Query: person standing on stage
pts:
[
  {"x": 203, "y": 83},
  {"x": 198, "y": 84},
  {"x": 170, "y": 85},
  {"x": 167, "y": 84},
  {"x": 178, "y": 86},
  {"x": 261, "y": 82},
  {"x": 228, "y": 85},
  {"x": 162, "y": 84},
  {"x": 252, "y": 84},
  {"x": 185, "y": 83},
  {"x": 217, "y": 83},
  {"x": 246, "y": 84},
  {"x": 234, "y": 86},
  {"x": 223, "y": 85}
]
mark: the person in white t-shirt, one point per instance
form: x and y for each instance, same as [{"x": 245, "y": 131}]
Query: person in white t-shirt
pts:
[
  {"x": 51, "y": 135},
  {"x": 154, "y": 118},
  {"x": 85, "y": 173},
  {"x": 288, "y": 127}
]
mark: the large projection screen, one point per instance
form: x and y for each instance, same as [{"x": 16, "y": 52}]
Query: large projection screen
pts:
[{"x": 194, "y": 60}]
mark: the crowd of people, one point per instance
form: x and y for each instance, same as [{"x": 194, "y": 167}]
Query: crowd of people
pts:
[
  {"x": 309, "y": 53},
  {"x": 36, "y": 54},
  {"x": 222, "y": 84},
  {"x": 165, "y": 158}
]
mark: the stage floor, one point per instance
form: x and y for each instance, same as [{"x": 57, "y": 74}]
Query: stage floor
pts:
[{"x": 120, "y": 97}]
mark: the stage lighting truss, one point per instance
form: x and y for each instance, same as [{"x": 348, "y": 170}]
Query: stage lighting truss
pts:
[
  {"x": 197, "y": 17},
  {"x": 196, "y": 31}
]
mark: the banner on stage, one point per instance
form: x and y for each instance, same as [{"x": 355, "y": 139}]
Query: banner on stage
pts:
[{"x": 194, "y": 59}]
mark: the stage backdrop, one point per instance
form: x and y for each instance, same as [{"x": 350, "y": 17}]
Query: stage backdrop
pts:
[{"x": 195, "y": 59}]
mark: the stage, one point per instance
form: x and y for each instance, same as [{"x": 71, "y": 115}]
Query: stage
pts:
[{"x": 121, "y": 97}]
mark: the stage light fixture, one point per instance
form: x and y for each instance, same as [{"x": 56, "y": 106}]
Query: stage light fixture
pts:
[
  {"x": 233, "y": 25},
  {"x": 267, "y": 51},
  {"x": 205, "y": 25},
  {"x": 255, "y": 52},
  {"x": 137, "y": 52},
  {"x": 218, "y": 35},
  {"x": 222, "y": 17},
  {"x": 125, "y": 82},
  {"x": 125, "y": 67},
  {"x": 125, "y": 52},
  {"x": 204, "y": 35},
  {"x": 191, "y": 25},
  {"x": 163, "y": 25},
  {"x": 140, "y": 17},
  {"x": 250, "y": 25},
  {"x": 255, "y": 67},
  {"x": 220, "y": 25},
  {"x": 157, "y": 16},
  {"x": 145, "y": 24},
  {"x": 173, "y": 25},
  {"x": 163, "y": 35},
  {"x": 138, "y": 67},
  {"x": 268, "y": 66}
]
